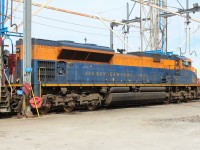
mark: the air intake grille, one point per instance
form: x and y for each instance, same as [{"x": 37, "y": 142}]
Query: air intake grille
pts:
[{"x": 46, "y": 71}]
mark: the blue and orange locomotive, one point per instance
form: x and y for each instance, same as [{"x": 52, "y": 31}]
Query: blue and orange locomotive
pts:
[{"x": 69, "y": 75}]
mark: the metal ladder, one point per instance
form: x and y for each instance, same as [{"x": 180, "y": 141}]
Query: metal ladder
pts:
[{"x": 5, "y": 100}]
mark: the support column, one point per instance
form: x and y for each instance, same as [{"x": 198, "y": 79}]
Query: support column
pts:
[
  {"x": 27, "y": 45},
  {"x": 111, "y": 35}
]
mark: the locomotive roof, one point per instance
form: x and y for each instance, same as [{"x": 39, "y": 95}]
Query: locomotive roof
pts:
[
  {"x": 66, "y": 43},
  {"x": 169, "y": 56}
]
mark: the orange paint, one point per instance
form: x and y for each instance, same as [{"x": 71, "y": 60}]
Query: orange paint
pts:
[{"x": 40, "y": 52}]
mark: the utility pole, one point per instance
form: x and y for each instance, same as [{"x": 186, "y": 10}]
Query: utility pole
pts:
[
  {"x": 111, "y": 35},
  {"x": 141, "y": 28},
  {"x": 188, "y": 15},
  {"x": 27, "y": 46},
  {"x": 126, "y": 28}
]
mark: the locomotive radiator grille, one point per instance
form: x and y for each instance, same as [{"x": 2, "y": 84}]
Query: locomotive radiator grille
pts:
[{"x": 46, "y": 71}]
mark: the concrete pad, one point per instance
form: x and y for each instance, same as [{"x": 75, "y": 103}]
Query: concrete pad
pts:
[{"x": 160, "y": 127}]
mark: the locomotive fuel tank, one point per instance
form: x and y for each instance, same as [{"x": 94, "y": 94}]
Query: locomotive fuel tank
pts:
[
  {"x": 135, "y": 95},
  {"x": 152, "y": 89},
  {"x": 135, "y": 98},
  {"x": 119, "y": 89}
]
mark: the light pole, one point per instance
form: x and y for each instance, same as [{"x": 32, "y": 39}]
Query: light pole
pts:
[{"x": 27, "y": 46}]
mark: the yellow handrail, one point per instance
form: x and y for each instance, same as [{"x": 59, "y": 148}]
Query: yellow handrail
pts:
[{"x": 39, "y": 79}]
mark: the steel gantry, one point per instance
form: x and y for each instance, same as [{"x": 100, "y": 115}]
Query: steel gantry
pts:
[{"x": 153, "y": 22}]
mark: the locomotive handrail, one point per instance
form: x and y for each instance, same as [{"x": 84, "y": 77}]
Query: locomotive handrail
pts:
[
  {"x": 39, "y": 79},
  {"x": 8, "y": 83}
]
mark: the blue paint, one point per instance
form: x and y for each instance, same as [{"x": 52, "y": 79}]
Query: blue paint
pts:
[
  {"x": 28, "y": 70},
  {"x": 19, "y": 92},
  {"x": 88, "y": 73}
]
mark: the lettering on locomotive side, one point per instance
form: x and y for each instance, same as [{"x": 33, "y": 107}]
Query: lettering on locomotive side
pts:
[{"x": 111, "y": 74}]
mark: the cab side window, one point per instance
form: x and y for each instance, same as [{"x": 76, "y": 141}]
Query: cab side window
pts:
[{"x": 186, "y": 64}]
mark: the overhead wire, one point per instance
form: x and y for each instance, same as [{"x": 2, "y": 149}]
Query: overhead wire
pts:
[
  {"x": 180, "y": 4},
  {"x": 164, "y": 5},
  {"x": 106, "y": 11},
  {"x": 15, "y": 9},
  {"x": 88, "y": 26},
  {"x": 186, "y": 42},
  {"x": 44, "y": 5},
  {"x": 81, "y": 14},
  {"x": 67, "y": 22},
  {"x": 88, "y": 15},
  {"x": 65, "y": 28},
  {"x": 103, "y": 18},
  {"x": 114, "y": 32},
  {"x": 95, "y": 17},
  {"x": 71, "y": 29},
  {"x": 37, "y": 11},
  {"x": 166, "y": 10},
  {"x": 68, "y": 29},
  {"x": 191, "y": 35},
  {"x": 191, "y": 52}
]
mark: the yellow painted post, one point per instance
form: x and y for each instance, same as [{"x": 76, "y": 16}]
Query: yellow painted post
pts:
[
  {"x": 24, "y": 104},
  {"x": 36, "y": 107}
]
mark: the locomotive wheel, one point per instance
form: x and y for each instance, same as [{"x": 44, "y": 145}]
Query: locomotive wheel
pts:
[
  {"x": 70, "y": 106},
  {"x": 187, "y": 100},
  {"x": 166, "y": 101},
  {"x": 93, "y": 105},
  {"x": 44, "y": 110},
  {"x": 178, "y": 101},
  {"x": 16, "y": 104}
]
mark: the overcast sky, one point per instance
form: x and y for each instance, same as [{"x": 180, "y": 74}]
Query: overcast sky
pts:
[{"x": 54, "y": 25}]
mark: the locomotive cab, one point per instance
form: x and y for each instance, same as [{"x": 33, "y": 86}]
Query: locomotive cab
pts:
[{"x": 186, "y": 63}]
